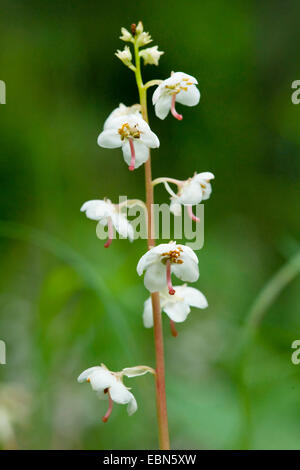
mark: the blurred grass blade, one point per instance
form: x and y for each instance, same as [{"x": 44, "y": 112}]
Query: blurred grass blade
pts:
[
  {"x": 83, "y": 268},
  {"x": 272, "y": 289}
]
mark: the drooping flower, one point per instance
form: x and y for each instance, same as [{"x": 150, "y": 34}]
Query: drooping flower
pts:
[
  {"x": 109, "y": 385},
  {"x": 159, "y": 262},
  {"x": 190, "y": 192},
  {"x": 180, "y": 88},
  {"x": 133, "y": 135},
  {"x": 177, "y": 306},
  {"x": 122, "y": 111},
  {"x": 109, "y": 215},
  {"x": 151, "y": 55}
]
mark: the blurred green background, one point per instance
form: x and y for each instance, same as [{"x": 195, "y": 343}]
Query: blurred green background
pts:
[{"x": 68, "y": 304}]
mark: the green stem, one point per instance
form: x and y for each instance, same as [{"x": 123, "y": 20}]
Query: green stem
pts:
[{"x": 161, "y": 402}]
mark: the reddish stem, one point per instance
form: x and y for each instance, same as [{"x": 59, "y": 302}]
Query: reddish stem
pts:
[
  {"x": 110, "y": 232},
  {"x": 173, "y": 110},
  {"x": 110, "y": 407},
  {"x": 132, "y": 150},
  {"x": 191, "y": 215},
  {"x": 161, "y": 403},
  {"x": 173, "y": 329},
  {"x": 169, "y": 280}
]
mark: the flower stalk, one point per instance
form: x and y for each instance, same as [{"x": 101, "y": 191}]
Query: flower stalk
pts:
[
  {"x": 161, "y": 402},
  {"x": 127, "y": 128}
]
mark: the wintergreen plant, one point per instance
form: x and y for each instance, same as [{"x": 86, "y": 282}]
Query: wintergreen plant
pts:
[{"x": 127, "y": 127}]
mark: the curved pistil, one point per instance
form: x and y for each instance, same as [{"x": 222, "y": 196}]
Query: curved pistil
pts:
[
  {"x": 110, "y": 232},
  {"x": 132, "y": 150},
  {"x": 110, "y": 407},
  {"x": 192, "y": 215},
  {"x": 173, "y": 110},
  {"x": 169, "y": 280}
]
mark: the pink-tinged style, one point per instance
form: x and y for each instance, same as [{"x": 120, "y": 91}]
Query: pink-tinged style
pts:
[
  {"x": 110, "y": 232},
  {"x": 169, "y": 280},
  {"x": 110, "y": 407},
  {"x": 132, "y": 162},
  {"x": 173, "y": 110},
  {"x": 192, "y": 215}
]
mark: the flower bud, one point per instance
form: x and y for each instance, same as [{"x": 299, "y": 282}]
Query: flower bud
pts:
[
  {"x": 151, "y": 55},
  {"x": 139, "y": 28},
  {"x": 126, "y": 36},
  {"x": 142, "y": 39},
  {"x": 125, "y": 56}
]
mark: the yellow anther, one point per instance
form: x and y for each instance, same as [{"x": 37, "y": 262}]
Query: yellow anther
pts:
[
  {"x": 174, "y": 255},
  {"x": 126, "y": 131}
]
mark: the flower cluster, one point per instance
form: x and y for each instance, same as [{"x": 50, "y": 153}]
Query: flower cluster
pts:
[{"x": 127, "y": 128}]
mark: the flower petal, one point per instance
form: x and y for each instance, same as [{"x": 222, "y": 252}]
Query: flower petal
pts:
[
  {"x": 157, "y": 93},
  {"x": 155, "y": 277},
  {"x": 121, "y": 111},
  {"x": 188, "y": 270},
  {"x": 110, "y": 138},
  {"x": 188, "y": 252},
  {"x": 191, "y": 193},
  {"x": 101, "y": 379},
  {"x": 148, "y": 314},
  {"x": 178, "y": 77},
  {"x": 132, "y": 405},
  {"x": 150, "y": 139},
  {"x": 204, "y": 176},
  {"x": 192, "y": 296},
  {"x": 177, "y": 311},
  {"x": 96, "y": 209},
  {"x": 86, "y": 373},
  {"x": 163, "y": 106},
  {"x": 136, "y": 371},
  {"x": 153, "y": 256},
  {"x": 119, "y": 393},
  {"x": 175, "y": 206},
  {"x": 191, "y": 97},
  {"x": 141, "y": 153},
  {"x": 123, "y": 226}
]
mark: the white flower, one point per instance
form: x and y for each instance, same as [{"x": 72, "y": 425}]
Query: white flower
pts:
[
  {"x": 125, "y": 56},
  {"x": 159, "y": 262},
  {"x": 151, "y": 55},
  {"x": 190, "y": 192},
  {"x": 180, "y": 88},
  {"x": 135, "y": 137},
  {"x": 120, "y": 111},
  {"x": 110, "y": 215},
  {"x": 109, "y": 385},
  {"x": 177, "y": 306}
]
